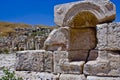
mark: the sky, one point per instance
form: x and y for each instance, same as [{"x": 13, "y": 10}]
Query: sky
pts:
[{"x": 35, "y": 11}]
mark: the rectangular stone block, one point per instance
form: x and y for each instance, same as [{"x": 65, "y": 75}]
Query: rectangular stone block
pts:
[
  {"x": 73, "y": 67},
  {"x": 48, "y": 61},
  {"x": 112, "y": 56},
  {"x": 102, "y": 30},
  {"x": 102, "y": 78},
  {"x": 114, "y": 36},
  {"x": 84, "y": 38},
  {"x": 48, "y": 76},
  {"x": 76, "y": 67},
  {"x": 108, "y": 36},
  {"x": 107, "y": 64},
  {"x": 79, "y": 55},
  {"x": 34, "y": 60},
  {"x": 59, "y": 56},
  {"x": 36, "y": 75},
  {"x": 72, "y": 77},
  {"x": 31, "y": 60},
  {"x": 95, "y": 68}
]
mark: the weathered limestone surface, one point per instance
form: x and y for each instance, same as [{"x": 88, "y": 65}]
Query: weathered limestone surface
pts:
[
  {"x": 102, "y": 78},
  {"x": 73, "y": 67},
  {"x": 108, "y": 36},
  {"x": 80, "y": 55},
  {"x": 72, "y": 77},
  {"x": 57, "y": 40},
  {"x": 82, "y": 39},
  {"x": 8, "y": 61},
  {"x": 48, "y": 61},
  {"x": 60, "y": 57},
  {"x": 84, "y": 13},
  {"x": 34, "y": 60},
  {"x": 93, "y": 54},
  {"x": 63, "y": 65},
  {"x": 107, "y": 64},
  {"x": 75, "y": 45},
  {"x": 36, "y": 75},
  {"x": 29, "y": 60}
]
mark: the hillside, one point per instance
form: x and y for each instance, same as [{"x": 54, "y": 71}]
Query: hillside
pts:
[
  {"x": 6, "y": 27},
  {"x": 43, "y": 26}
]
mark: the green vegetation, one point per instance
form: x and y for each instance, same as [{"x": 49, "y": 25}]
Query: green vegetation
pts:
[
  {"x": 6, "y": 51},
  {"x": 38, "y": 33},
  {"x": 9, "y": 75}
]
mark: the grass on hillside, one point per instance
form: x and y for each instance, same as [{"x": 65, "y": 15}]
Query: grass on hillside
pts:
[
  {"x": 6, "y": 27},
  {"x": 50, "y": 27}
]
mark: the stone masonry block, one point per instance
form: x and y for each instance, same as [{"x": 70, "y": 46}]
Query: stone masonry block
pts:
[
  {"x": 31, "y": 60},
  {"x": 107, "y": 64},
  {"x": 82, "y": 39},
  {"x": 34, "y": 60},
  {"x": 26, "y": 75},
  {"x": 72, "y": 77},
  {"x": 93, "y": 68},
  {"x": 59, "y": 56},
  {"x": 48, "y": 61},
  {"x": 93, "y": 54},
  {"x": 103, "y": 10},
  {"x": 73, "y": 67},
  {"x": 102, "y": 36},
  {"x": 108, "y": 36},
  {"x": 80, "y": 55},
  {"x": 102, "y": 78},
  {"x": 57, "y": 40}
]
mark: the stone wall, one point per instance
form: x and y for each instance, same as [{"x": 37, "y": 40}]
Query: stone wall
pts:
[{"x": 85, "y": 47}]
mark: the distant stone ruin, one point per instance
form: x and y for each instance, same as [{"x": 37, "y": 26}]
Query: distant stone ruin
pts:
[{"x": 85, "y": 47}]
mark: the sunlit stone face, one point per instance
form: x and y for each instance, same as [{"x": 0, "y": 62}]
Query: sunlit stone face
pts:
[{"x": 84, "y": 19}]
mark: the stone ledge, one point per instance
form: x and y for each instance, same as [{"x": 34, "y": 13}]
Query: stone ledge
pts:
[
  {"x": 72, "y": 77},
  {"x": 102, "y": 78}
]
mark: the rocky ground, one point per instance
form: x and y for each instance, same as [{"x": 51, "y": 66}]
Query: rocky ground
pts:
[{"x": 7, "y": 60}]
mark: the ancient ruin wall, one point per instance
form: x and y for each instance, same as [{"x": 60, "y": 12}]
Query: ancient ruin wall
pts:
[{"x": 82, "y": 48}]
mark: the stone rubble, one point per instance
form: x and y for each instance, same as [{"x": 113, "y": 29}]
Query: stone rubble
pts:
[{"x": 24, "y": 39}]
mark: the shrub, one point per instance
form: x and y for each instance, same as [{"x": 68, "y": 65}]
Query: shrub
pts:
[
  {"x": 9, "y": 75},
  {"x": 6, "y": 51}
]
